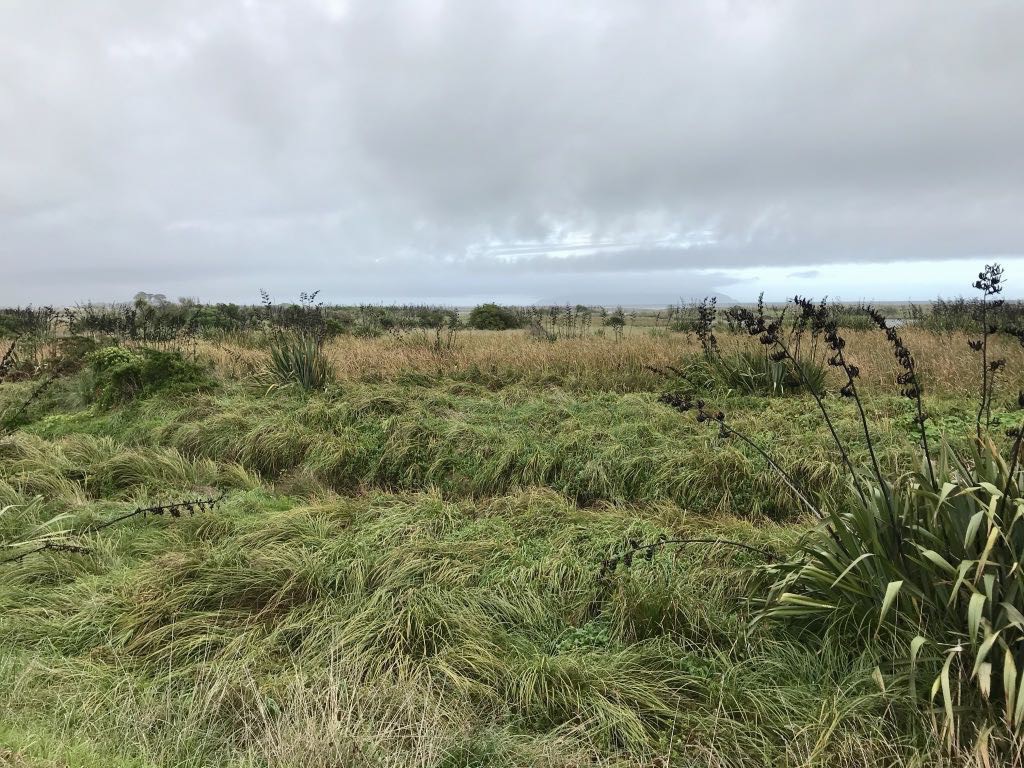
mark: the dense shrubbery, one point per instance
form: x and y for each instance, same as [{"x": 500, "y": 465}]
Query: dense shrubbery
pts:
[
  {"x": 492, "y": 317},
  {"x": 19, "y": 321},
  {"x": 961, "y": 314},
  {"x": 119, "y": 374}
]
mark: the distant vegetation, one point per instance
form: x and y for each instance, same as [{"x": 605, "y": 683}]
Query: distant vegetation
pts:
[
  {"x": 152, "y": 318},
  {"x": 491, "y": 317}
]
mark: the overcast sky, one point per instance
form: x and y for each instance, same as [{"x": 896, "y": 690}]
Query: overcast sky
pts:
[{"x": 526, "y": 150}]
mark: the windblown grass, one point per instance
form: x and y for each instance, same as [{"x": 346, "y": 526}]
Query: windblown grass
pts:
[
  {"x": 468, "y": 441},
  {"x": 497, "y": 359},
  {"x": 410, "y": 630},
  {"x": 406, "y": 568}
]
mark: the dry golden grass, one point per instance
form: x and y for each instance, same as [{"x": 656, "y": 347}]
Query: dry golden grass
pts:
[{"x": 946, "y": 364}]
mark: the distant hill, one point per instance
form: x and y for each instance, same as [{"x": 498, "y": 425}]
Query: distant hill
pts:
[{"x": 632, "y": 300}]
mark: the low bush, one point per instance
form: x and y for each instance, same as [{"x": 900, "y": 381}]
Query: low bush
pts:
[
  {"x": 119, "y": 374},
  {"x": 300, "y": 361},
  {"x": 750, "y": 373},
  {"x": 492, "y": 317},
  {"x": 788, "y": 368},
  {"x": 755, "y": 373},
  {"x": 933, "y": 561}
]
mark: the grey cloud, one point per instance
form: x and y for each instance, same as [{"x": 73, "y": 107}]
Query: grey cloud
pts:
[{"x": 491, "y": 148}]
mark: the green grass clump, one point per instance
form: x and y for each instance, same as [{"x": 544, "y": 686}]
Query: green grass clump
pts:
[
  {"x": 119, "y": 374},
  {"x": 299, "y": 360}
]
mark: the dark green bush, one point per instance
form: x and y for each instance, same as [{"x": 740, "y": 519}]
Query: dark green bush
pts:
[
  {"x": 753, "y": 373},
  {"x": 492, "y": 317},
  {"x": 72, "y": 353},
  {"x": 960, "y": 314},
  {"x": 119, "y": 374}
]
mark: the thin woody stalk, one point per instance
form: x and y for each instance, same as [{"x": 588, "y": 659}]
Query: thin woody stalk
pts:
[
  {"x": 684, "y": 404},
  {"x": 768, "y": 334}
]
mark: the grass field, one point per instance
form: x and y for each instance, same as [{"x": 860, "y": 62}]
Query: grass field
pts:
[{"x": 406, "y": 565}]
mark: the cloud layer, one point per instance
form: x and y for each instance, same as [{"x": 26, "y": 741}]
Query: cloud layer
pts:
[{"x": 431, "y": 149}]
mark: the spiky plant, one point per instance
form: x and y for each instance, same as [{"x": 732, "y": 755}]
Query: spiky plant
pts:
[
  {"x": 940, "y": 577},
  {"x": 299, "y": 360},
  {"x": 929, "y": 561}
]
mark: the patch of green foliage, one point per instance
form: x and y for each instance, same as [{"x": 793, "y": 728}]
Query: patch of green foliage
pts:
[
  {"x": 468, "y": 441},
  {"x": 119, "y": 374},
  {"x": 299, "y": 360},
  {"x": 933, "y": 562},
  {"x": 492, "y": 317},
  {"x": 755, "y": 373}
]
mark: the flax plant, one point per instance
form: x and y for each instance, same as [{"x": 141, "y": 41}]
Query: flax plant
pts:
[{"x": 929, "y": 560}]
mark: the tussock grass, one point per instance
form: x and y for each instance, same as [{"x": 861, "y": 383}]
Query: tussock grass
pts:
[
  {"x": 469, "y": 441},
  {"x": 415, "y": 630},
  {"x": 497, "y": 359}
]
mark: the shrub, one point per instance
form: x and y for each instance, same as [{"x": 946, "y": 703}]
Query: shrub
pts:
[
  {"x": 755, "y": 373},
  {"x": 299, "y": 360},
  {"x": 492, "y": 317},
  {"x": 72, "y": 353},
  {"x": 935, "y": 565},
  {"x": 119, "y": 374},
  {"x": 790, "y": 369},
  {"x": 962, "y": 314},
  {"x": 617, "y": 322}
]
